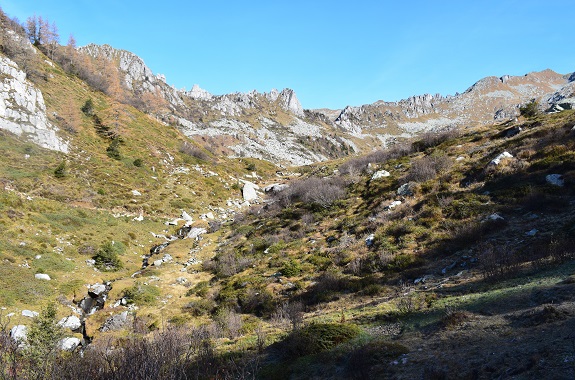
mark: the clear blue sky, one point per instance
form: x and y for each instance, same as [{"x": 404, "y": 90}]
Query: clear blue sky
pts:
[{"x": 332, "y": 53}]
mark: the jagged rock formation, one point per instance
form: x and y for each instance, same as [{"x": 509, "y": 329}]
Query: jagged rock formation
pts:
[
  {"x": 489, "y": 100},
  {"x": 22, "y": 108},
  {"x": 271, "y": 126}
]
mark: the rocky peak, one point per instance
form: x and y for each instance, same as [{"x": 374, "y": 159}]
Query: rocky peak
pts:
[
  {"x": 199, "y": 93},
  {"x": 290, "y": 102}
]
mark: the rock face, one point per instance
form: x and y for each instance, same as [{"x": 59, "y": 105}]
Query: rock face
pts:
[{"x": 22, "y": 108}]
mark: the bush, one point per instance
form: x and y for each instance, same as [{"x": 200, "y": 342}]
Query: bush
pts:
[
  {"x": 88, "y": 108},
  {"x": 60, "y": 171},
  {"x": 322, "y": 192},
  {"x": 530, "y": 109},
  {"x": 113, "y": 150},
  {"x": 138, "y": 162},
  {"x": 141, "y": 294},
  {"x": 428, "y": 168},
  {"x": 318, "y": 337},
  {"x": 107, "y": 259},
  {"x": 291, "y": 268},
  {"x": 194, "y": 151}
]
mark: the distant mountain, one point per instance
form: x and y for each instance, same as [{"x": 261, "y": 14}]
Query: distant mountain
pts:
[{"x": 274, "y": 126}]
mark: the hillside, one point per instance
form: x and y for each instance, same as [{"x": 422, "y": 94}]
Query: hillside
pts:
[{"x": 172, "y": 235}]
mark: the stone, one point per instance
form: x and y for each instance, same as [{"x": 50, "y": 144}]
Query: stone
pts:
[
  {"x": 69, "y": 344},
  {"x": 116, "y": 322},
  {"x": 380, "y": 174},
  {"x": 96, "y": 290},
  {"x": 19, "y": 333},
  {"x": 181, "y": 280},
  {"x": 195, "y": 233},
  {"x": 497, "y": 160},
  {"x": 72, "y": 322},
  {"x": 167, "y": 258},
  {"x": 555, "y": 180},
  {"x": 393, "y": 205},
  {"x": 275, "y": 188},
  {"x": 42, "y": 276},
  {"x": 208, "y": 215},
  {"x": 249, "y": 192},
  {"x": 158, "y": 263},
  {"x": 370, "y": 240},
  {"x": 532, "y": 232},
  {"x": 187, "y": 218},
  {"x": 405, "y": 190},
  {"x": 495, "y": 217},
  {"x": 513, "y": 131},
  {"x": 29, "y": 313},
  {"x": 136, "y": 193}
]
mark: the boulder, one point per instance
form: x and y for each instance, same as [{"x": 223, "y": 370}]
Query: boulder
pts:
[
  {"x": 136, "y": 193},
  {"x": 187, "y": 218},
  {"x": 393, "y": 205},
  {"x": 19, "y": 333},
  {"x": 275, "y": 188},
  {"x": 96, "y": 290},
  {"x": 69, "y": 344},
  {"x": 370, "y": 240},
  {"x": 380, "y": 174},
  {"x": 72, "y": 322},
  {"x": 158, "y": 263},
  {"x": 29, "y": 313},
  {"x": 195, "y": 233},
  {"x": 497, "y": 160},
  {"x": 249, "y": 191},
  {"x": 116, "y": 322},
  {"x": 555, "y": 180},
  {"x": 405, "y": 190},
  {"x": 42, "y": 276}
]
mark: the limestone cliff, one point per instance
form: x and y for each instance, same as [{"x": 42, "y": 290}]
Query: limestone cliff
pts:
[{"x": 22, "y": 108}]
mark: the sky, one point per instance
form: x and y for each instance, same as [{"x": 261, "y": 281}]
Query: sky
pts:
[{"x": 332, "y": 53}]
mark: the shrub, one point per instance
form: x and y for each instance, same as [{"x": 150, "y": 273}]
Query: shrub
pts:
[
  {"x": 428, "y": 168},
  {"x": 141, "y": 294},
  {"x": 318, "y": 337},
  {"x": 530, "y": 109},
  {"x": 194, "y": 151},
  {"x": 60, "y": 171},
  {"x": 113, "y": 150},
  {"x": 88, "y": 108},
  {"x": 291, "y": 268},
  {"x": 322, "y": 192},
  {"x": 434, "y": 138},
  {"x": 138, "y": 162},
  {"x": 107, "y": 259}
]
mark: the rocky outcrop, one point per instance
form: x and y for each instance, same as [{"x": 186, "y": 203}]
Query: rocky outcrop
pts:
[{"x": 22, "y": 109}]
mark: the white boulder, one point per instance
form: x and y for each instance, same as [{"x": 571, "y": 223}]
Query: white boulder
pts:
[
  {"x": 249, "y": 191},
  {"x": 69, "y": 344},
  {"x": 72, "y": 322},
  {"x": 42, "y": 276},
  {"x": 497, "y": 160},
  {"x": 29, "y": 313},
  {"x": 380, "y": 174},
  {"x": 19, "y": 333}
]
